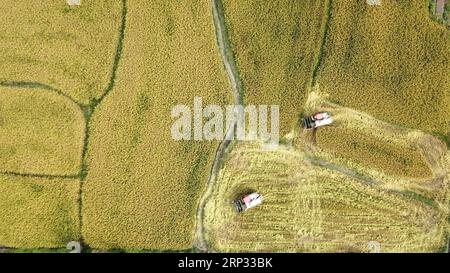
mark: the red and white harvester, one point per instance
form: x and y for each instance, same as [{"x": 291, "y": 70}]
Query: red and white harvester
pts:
[
  {"x": 317, "y": 120},
  {"x": 248, "y": 201}
]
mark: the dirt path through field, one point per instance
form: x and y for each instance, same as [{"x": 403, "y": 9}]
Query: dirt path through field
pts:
[{"x": 200, "y": 242}]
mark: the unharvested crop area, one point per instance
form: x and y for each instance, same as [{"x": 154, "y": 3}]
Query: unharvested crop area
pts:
[
  {"x": 38, "y": 212},
  {"x": 276, "y": 45},
  {"x": 142, "y": 187},
  {"x": 391, "y": 61},
  {"x": 56, "y": 59},
  {"x": 312, "y": 209},
  {"x": 366, "y": 149},
  {"x": 67, "y": 47},
  {"x": 41, "y": 132}
]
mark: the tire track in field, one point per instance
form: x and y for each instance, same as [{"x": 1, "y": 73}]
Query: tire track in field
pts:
[
  {"x": 341, "y": 169},
  {"x": 326, "y": 27},
  {"x": 223, "y": 43}
]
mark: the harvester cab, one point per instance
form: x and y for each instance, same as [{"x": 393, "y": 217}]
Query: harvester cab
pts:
[
  {"x": 247, "y": 202},
  {"x": 317, "y": 120}
]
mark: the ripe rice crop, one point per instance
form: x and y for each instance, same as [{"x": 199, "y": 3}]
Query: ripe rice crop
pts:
[
  {"x": 38, "y": 212},
  {"x": 391, "y": 61},
  {"x": 41, "y": 132},
  {"x": 276, "y": 44},
  {"x": 68, "y": 47},
  {"x": 142, "y": 188},
  {"x": 366, "y": 149}
]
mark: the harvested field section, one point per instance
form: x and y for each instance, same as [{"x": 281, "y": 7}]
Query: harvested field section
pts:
[
  {"x": 41, "y": 132},
  {"x": 370, "y": 151},
  {"x": 391, "y": 61},
  {"x": 142, "y": 188},
  {"x": 312, "y": 209},
  {"x": 399, "y": 158},
  {"x": 276, "y": 44},
  {"x": 38, "y": 212},
  {"x": 68, "y": 47}
]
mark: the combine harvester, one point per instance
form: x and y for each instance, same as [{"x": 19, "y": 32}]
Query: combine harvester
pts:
[
  {"x": 247, "y": 202},
  {"x": 317, "y": 120}
]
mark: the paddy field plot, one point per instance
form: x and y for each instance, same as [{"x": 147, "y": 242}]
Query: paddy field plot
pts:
[
  {"x": 391, "y": 61},
  {"x": 276, "y": 46},
  {"x": 142, "y": 188},
  {"x": 38, "y": 212},
  {"x": 70, "y": 48},
  {"x": 312, "y": 209},
  {"x": 41, "y": 132},
  {"x": 367, "y": 149},
  {"x": 86, "y": 151},
  {"x": 387, "y": 152}
]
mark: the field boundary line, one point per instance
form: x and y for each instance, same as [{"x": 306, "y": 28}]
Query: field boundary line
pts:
[
  {"x": 226, "y": 51},
  {"x": 38, "y": 85},
  {"x": 46, "y": 176},
  {"x": 117, "y": 56},
  {"x": 88, "y": 111}
]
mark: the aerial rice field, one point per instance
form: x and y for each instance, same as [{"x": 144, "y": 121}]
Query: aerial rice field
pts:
[
  {"x": 142, "y": 187},
  {"x": 67, "y": 47},
  {"x": 391, "y": 61},
  {"x": 86, "y": 152},
  {"x": 312, "y": 209},
  {"x": 38, "y": 212},
  {"x": 276, "y": 45},
  {"x": 41, "y": 132}
]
